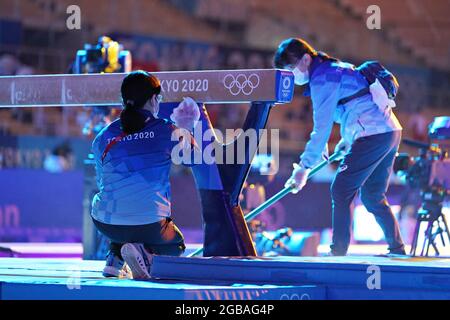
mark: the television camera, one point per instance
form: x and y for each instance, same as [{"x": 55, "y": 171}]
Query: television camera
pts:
[
  {"x": 107, "y": 56},
  {"x": 430, "y": 173}
]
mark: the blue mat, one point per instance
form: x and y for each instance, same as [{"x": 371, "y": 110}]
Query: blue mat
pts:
[
  {"x": 64, "y": 279},
  {"x": 344, "y": 277},
  {"x": 180, "y": 278}
]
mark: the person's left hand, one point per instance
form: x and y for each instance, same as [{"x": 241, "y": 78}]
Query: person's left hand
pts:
[
  {"x": 186, "y": 115},
  {"x": 298, "y": 178},
  {"x": 342, "y": 148}
]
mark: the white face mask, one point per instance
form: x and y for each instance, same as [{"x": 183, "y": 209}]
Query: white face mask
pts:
[
  {"x": 156, "y": 111},
  {"x": 153, "y": 108},
  {"x": 300, "y": 78}
]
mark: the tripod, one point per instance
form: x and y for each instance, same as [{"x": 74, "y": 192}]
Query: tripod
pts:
[{"x": 431, "y": 213}]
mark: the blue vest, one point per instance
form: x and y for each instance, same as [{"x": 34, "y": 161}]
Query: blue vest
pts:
[{"x": 133, "y": 178}]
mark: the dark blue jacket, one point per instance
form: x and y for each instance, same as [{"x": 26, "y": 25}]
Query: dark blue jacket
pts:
[{"x": 133, "y": 178}]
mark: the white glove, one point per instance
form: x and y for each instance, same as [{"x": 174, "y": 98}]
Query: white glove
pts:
[
  {"x": 342, "y": 147},
  {"x": 186, "y": 115},
  {"x": 298, "y": 178},
  {"x": 325, "y": 153}
]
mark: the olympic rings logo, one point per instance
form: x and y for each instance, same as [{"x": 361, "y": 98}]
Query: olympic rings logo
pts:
[
  {"x": 241, "y": 83},
  {"x": 295, "y": 296}
]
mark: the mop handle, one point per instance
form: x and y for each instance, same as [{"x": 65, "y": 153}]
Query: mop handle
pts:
[
  {"x": 281, "y": 194},
  {"x": 278, "y": 196}
]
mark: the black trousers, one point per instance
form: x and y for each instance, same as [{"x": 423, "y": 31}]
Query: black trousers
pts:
[
  {"x": 162, "y": 238},
  {"x": 367, "y": 167}
]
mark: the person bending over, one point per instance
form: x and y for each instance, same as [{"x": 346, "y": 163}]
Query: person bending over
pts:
[{"x": 370, "y": 135}]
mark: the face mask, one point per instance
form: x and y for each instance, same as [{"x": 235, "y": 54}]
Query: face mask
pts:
[
  {"x": 153, "y": 107},
  {"x": 300, "y": 78},
  {"x": 155, "y": 112},
  {"x": 156, "y": 109}
]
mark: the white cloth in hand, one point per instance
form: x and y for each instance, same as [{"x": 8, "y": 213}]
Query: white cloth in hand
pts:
[{"x": 186, "y": 115}]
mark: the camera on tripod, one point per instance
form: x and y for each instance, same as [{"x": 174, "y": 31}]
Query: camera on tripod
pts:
[
  {"x": 430, "y": 173},
  {"x": 107, "y": 56}
]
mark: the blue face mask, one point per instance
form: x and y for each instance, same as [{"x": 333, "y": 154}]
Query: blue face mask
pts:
[{"x": 300, "y": 78}]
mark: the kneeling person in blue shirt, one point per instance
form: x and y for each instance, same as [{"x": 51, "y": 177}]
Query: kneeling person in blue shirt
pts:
[{"x": 133, "y": 159}]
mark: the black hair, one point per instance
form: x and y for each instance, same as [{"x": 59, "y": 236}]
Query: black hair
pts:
[
  {"x": 291, "y": 50},
  {"x": 137, "y": 88}
]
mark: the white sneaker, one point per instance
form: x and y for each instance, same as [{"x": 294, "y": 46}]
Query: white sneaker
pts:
[
  {"x": 138, "y": 259},
  {"x": 113, "y": 266}
]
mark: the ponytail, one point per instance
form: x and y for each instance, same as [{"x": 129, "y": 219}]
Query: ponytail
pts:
[
  {"x": 137, "y": 88},
  {"x": 326, "y": 57},
  {"x": 132, "y": 120}
]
